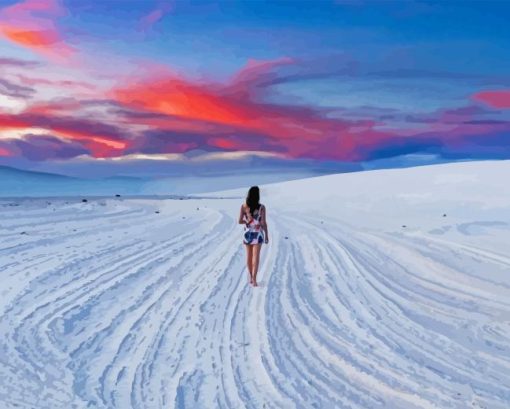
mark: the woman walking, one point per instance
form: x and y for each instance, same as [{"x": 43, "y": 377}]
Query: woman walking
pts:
[{"x": 253, "y": 216}]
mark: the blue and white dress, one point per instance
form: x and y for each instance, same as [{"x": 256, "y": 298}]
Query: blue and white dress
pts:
[{"x": 253, "y": 233}]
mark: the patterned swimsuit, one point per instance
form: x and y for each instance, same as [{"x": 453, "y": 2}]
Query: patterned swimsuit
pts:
[{"x": 253, "y": 233}]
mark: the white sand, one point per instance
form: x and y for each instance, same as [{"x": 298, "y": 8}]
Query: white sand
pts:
[{"x": 108, "y": 304}]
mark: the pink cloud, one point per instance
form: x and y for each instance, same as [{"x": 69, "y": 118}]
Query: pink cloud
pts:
[
  {"x": 147, "y": 21},
  {"x": 4, "y": 152},
  {"x": 298, "y": 129},
  {"x": 157, "y": 110},
  {"x": 495, "y": 99},
  {"x": 31, "y": 24},
  {"x": 255, "y": 73},
  {"x": 101, "y": 139},
  {"x": 43, "y": 147}
]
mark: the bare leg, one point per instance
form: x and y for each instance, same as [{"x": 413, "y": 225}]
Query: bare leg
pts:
[
  {"x": 249, "y": 257},
  {"x": 256, "y": 259}
]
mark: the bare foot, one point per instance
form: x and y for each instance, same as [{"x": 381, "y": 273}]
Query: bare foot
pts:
[{"x": 254, "y": 283}]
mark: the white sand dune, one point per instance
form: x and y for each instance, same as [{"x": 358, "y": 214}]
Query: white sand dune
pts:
[{"x": 108, "y": 304}]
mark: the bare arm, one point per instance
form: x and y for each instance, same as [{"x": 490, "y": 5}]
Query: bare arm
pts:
[
  {"x": 263, "y": 223},
  {"x": 244, "y": 217},
  {"x": 241, "y": 215}
]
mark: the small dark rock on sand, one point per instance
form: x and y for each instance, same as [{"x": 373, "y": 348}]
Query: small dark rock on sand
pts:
[
  {"x": 84, "y": 200},
  {"x": 404, "y": 225}
]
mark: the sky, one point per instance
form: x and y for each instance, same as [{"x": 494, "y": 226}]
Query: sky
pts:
[{"x": 117, "y": 83}]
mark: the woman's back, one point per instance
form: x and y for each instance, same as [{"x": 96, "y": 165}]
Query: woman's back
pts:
[
  {"x": 256, "y": 217},
  {"x": 253, "y": 233}
]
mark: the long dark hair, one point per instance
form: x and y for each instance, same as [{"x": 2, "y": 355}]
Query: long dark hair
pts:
[{"x": 253, "y": 198}]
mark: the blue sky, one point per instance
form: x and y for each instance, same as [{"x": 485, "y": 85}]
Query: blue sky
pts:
[{"x": 323, "y": 80}]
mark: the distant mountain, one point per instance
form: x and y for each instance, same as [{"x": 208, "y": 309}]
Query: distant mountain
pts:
[
  {"x": 22, "y": 183},
  {"x": 185, "y": 180},
  {"x": 6, "y": 171}
]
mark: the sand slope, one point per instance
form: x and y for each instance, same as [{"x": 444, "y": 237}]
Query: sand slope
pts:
[{"x": 108, "y": 304}]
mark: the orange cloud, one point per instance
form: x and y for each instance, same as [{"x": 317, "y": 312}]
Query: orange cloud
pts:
[
  {"x": 41, "y": 38},
  {"x": 177, "y": 97},
  {"x": 31, "y": 24},
  {"x": 232, "y": 116},
  {"x": 180, "y": 98}
]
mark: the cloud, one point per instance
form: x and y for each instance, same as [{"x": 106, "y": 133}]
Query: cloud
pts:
[
  {"x": 495, "y": 99},
  {"x": 3, "y": 150},
  {"x": 148, "y": 21},
  {"x": 457, "y": 133},
  {"x": 15, "y": 62},
  {"x": 100, "y": 138},
  {"x": 161, "y": 112},
  {"x": 298, "y": 130},
  {"x": 32, "y": 24},
  {"x": 12, "y": 90},
  {"x": 256, "y": 74},
  {"x": 66, "y": 84},
  {"x": 43, "y": 147}
]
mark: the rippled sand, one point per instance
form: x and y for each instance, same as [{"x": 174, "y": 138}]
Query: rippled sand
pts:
[{"x": 387, "y": 289}]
